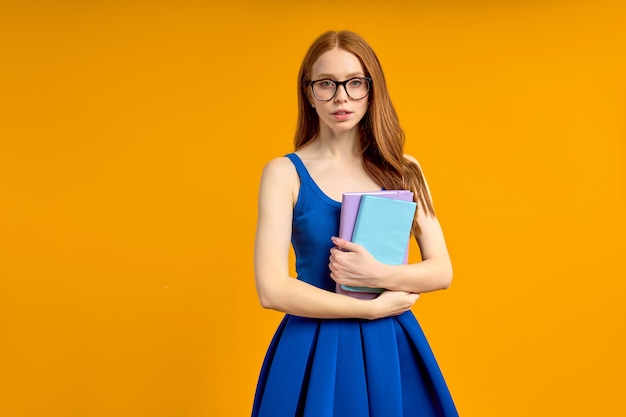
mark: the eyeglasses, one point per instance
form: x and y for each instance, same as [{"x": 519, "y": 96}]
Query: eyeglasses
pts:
[{"x": 326, "y": 89}]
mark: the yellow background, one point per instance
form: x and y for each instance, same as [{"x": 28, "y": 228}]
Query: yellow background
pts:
[{"x": 132, "y": 135}]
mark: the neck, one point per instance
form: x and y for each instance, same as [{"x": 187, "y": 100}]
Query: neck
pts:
[{"x": 342, "y": 145}]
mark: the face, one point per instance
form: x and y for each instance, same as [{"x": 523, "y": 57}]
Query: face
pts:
[{"x": 341, "y": 113}]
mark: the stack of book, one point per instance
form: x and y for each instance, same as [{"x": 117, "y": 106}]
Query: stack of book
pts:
[{"x": 381, "y": 222}]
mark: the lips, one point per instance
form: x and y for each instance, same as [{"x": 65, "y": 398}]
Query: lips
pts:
[{"x": 342, "y": 115}]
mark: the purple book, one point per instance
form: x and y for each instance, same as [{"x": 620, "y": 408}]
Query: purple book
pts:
[{"x": 349, "y": 209}]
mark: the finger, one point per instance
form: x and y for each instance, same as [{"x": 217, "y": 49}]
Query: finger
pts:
[{"x": 345, "y": 245}]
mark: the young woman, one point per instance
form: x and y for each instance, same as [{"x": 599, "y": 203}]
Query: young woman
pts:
[{"x": 334, "y": 355}]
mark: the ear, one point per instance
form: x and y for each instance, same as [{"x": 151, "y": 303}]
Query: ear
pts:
[{"x": 309, "y": 96}]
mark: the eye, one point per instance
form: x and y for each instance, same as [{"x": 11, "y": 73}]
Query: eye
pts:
[
  {"x": 326, "y": 84},
  {"x": 355, "y": 82}
]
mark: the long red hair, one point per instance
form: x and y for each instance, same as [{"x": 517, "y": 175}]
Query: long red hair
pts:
[{"x": 382, "y": 138}]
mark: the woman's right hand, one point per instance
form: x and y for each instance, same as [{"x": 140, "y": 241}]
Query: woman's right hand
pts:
[{"x": 393, "y": 303}]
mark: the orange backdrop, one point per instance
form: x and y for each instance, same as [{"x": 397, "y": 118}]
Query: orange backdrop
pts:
[{"x": 132, "y": 136}]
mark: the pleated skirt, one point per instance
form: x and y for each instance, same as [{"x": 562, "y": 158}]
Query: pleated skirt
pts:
[{"x": 351, "y": 368}]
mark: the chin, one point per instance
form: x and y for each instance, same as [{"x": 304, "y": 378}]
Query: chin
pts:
[{"x": 344, "y": 126}]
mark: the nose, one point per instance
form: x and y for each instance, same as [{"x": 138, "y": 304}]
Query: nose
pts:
[{"x": 341, "y": 95}]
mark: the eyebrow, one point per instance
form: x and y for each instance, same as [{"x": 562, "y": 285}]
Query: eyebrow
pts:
[{"x": 331, "y": 76}]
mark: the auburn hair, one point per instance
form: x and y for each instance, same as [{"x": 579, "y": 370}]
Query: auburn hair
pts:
[{"x": 381, "y": 137}]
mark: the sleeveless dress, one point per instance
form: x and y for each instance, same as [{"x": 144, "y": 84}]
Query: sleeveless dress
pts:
[{"x": 344, "y": 367}]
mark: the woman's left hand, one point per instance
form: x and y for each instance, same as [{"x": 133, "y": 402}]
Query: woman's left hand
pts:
[{"x": 351, "y": 264}]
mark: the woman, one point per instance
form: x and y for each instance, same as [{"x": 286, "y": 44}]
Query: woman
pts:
[{"x": 336, "y": 355}]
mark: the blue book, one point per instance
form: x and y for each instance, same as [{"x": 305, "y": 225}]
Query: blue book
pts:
[{"x": 383, "y": 227}]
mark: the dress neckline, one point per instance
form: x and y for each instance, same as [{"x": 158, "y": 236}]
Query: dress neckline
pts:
[{"x": 316, "y": 188}]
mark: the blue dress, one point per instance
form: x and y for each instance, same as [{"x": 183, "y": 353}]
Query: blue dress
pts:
[{"x": 344, "y": 367}]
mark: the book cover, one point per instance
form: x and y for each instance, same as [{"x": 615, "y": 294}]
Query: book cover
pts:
[{"x": 350, "y": 207}]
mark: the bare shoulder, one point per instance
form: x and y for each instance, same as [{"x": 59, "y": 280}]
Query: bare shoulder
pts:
[
  {"x": 412, "y": 159},
  {"x": 280, "y": 180},
  {"x": 280, "y": 167},
  {"x": 421, "y": 172}
]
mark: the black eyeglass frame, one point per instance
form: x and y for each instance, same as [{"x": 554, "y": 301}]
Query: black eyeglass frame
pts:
[{"x": 342, "y": 83}]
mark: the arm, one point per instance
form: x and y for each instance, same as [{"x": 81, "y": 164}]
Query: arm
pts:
[
  {"x": 276, "y": 289},
  {"x": 357, "y": 267}
]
